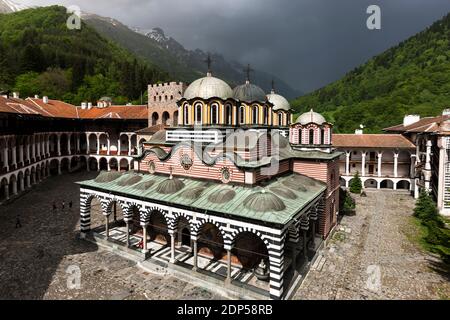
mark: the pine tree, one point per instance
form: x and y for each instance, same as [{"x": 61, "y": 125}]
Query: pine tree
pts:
[{"x": 356, "y": 184}]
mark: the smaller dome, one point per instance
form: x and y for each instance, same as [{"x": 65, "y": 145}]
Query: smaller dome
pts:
[
  {"x": 193, "y": 193},
  {"x": 222, "y": 196},
  {"x": 129, "y": 180},
  {"x": 279, "y": 102},
  {"x": 311, "y": 117},
  {"x": 144, "y": 185},
  {"x": 107, "y": 176},
  {"x": 170, "y": 186},
  {"x": 264, "y": 202},
  {"x": 249, "y": 92},
  {"x": 208, "y": 87}
]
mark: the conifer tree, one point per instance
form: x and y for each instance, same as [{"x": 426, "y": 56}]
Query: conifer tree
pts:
[{"x": 356, "y": 184}]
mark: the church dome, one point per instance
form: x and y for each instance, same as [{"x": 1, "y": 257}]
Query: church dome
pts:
[
  {"x": 311, "y": 117},
  {"x": 249, "y": 92},
  {"x": 264, "y": 202},
  {"x": 279, "y": 102},
  {"x": 208, "y": 87}
]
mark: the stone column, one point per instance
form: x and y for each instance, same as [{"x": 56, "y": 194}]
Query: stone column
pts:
[
  {"x": 195, "y": 255},
  {"x": 294, "y": 261},
  {"x": 98, "y": 144},
  {"x": 21, "y": 147},
  {"x": 228, "y": 279},
  {"x": 59, "y": 168},
  {"x": 14, "y": 188},
  {"x": 412, "y": 170},
  {"x": 109, "y": 146},
  {"x": 28, "y": 181},
  {"x": 107, "y": 226},
  {"x": 129, "y": 145},
  {"x": 78, "y": 144},
  {"x": 28, "y": 152},
  {"x": 5, "y": 157},
  {"x": 6, "y": 192},
  {"x": 69, "y": 137},
  {"x": 305, "y": 245},
  {"x": 380, "y": 159},
  {"x": 144, "y": 237},
  {"x": 427, "y": 173},
  {"x": 33, "y": 149},
  {"x": 22, "y": 186},
  {"x": 118, "y": 146},
  {"x": 58, "y": 145},
  {"x": 172, "y": 248},
  {"x": 13, "y": 157},
  {"x": 128, "y": 233},
  {"x": 347, "y": 163},
  {"x": 88, "y": 145},
  {"x": 363, "y": 164},
  {"x": 396, "y": 165}
]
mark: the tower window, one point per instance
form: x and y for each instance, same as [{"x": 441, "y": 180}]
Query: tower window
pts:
[
  {"x": 322, "y": 136},
  {"x": 186, "y": 115},
  {"x": 198, "y": 114},
  {"x": 241, "y": 115},
  {"x": 280, "y": 119},
  {"x": 214, "y": 114},
  {"x": 228, "y": 114},
  {"x": 255, "y": 115},
  {"x": 311, "y": 136}
]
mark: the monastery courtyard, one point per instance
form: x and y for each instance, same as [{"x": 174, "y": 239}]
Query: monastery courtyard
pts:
[{"x": 373, "y": 244}]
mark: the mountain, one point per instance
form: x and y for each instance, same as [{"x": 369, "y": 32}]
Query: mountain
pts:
[
  {"x": 7, "y": 6},
  {"x": 40, "y": 55},
  {"x": 410, "y": 78},
  {"x": 182, "y": 64}
]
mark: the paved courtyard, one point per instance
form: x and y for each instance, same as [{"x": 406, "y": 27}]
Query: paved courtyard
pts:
[
  {"x": 35, "y": 259},
  {"x": 371, "y": 257}
]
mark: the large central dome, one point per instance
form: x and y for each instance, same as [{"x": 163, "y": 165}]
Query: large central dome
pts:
[
  {"x": 249, "y": 92},
  {"x": 208, "y": 87},
  {"x": 279, "y": 102}
]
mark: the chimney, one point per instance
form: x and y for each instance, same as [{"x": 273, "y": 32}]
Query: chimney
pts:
[
  {"x": 83, "y": 105},
  {"x": 359, "y": 131},
  {"x": 15, "y": 95},
  {"x": 446, "y": 112},
  {"x": 410, "y": 119},
  {"x": 45, "y": 99},
  {"x": 36, "y": 96},
  {"x": 89, "y": 105}
]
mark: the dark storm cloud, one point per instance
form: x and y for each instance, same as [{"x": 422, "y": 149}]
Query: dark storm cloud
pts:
[{"x": 309, "y": 43}]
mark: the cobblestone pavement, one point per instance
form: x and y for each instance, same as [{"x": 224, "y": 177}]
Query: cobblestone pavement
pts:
[
  {"x": 371, "y": 257},
  {"x": 34, "y": 259}
]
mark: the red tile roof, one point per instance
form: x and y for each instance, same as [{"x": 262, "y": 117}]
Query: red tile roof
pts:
[
  {"x": 428, "y": 124},
  {"x": 153, "y": 129},
  {"x": 371, "y": 141},
  {"x": 60, "y": 109}
]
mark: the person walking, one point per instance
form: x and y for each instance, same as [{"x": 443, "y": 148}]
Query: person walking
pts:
[
  {"x": 54, "y": 207},
  {"x": 18, "y": 223},
  {"x": 70, "y": 205},
  {"x": 63, "y": 205}
]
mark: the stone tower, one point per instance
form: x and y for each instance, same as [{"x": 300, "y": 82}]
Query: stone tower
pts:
[{"x": 162, "y": 103}]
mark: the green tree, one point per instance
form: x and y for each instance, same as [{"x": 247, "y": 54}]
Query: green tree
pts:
[
  {"x": 356, "y": 184},
  {"x": 27, "y": 84}
]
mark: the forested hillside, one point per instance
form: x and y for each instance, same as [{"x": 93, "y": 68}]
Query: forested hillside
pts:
[
  {"x": 40, "y": 55},
  {"x": 411, "y": 78}
]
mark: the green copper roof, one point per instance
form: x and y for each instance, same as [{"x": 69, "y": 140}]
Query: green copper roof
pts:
[{"x": 235, "y": 200}]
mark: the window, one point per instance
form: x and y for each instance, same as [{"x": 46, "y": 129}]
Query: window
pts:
[
  {"x": 214, "y": 113},
  {"x": 280, "y": 119},
  {"x": 198, "y": 113},
  {"x": 241, "y": 115},
  {"x": 228, "y": 114},
  {"x": 300, "y": 131},
  {"x": 265, "y": 115},
  {"x": 186, "y": 115},
  {"x": 322, "y": 136},
  {"x": 255, "y": 115},
  {"x": 311, "y": 136}
]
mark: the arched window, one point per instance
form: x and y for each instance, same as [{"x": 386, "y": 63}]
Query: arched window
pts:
[
  {"x": 214, "y": 113},
  {"x": 265, "y": 115},
  {"x": 228, "y": 114},
  {"x": 241, "y": 115},
  {"x": 280, "y": 119},
  {"x": 186, "y": 115},
  {"x": 255, "y": 115},
  {"x": 300, "y": 135},
  {"x": 198, "y": 114},
  {"x": 322, "y": 136},
  {"x": 311, "y": 136}
]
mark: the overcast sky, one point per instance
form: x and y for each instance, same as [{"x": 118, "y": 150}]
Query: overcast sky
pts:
[{"x": 308, "y": 43}]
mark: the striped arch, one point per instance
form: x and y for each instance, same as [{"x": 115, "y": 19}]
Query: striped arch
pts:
[
  {"x": 231, "y": 238},
  {"x": 176, "y": 217},
  {"x": 196, "y": 229},
  {"x": 127, "y": 209},
  {"x": 86, "y": 203},
  {"x": 146, "y": 214}
]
